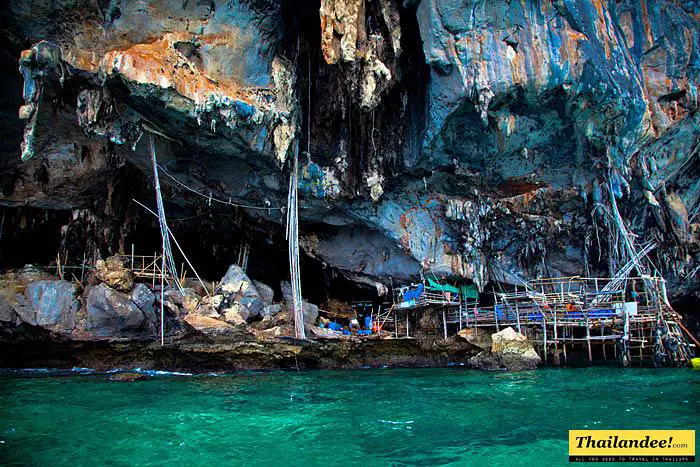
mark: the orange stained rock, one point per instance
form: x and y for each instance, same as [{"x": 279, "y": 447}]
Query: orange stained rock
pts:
[
  {"x": 342, "y": 26},
  {"x": 159, "y": 63},
  {"x": 647, "y": 26},
  {"x": 569, "y": 48}
]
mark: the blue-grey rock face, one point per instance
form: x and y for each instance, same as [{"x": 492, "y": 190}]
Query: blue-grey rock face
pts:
[
  {"x": 553, "y": 81},
  {"x": 492, "y": 140},
  {"x": 51, "y": 305},
  {"x": 362, "y": 252},
  {"x": 209, "y": 63},
  {"x": 112, "y": 314},
  {"x": 239, "y": 292}
]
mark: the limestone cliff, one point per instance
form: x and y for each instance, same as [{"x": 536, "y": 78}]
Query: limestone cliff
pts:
[{"x": 493, "y": 140}]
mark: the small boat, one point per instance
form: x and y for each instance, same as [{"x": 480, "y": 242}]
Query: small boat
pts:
[{"x": 695, "y": 363}]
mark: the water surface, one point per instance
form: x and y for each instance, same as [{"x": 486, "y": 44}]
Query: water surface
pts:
[{"x": 370, "y": 417}]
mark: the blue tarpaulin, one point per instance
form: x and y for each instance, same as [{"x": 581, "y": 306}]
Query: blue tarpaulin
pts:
[{"x": 413, "y": 293}]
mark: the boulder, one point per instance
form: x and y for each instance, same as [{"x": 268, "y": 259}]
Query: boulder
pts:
[
  {"x": 214, "y": 301},
  {"x": 236, "y": 287},
  {"x": 200, "y": 288},
  {"x": 207, "y": 325},
  {"x": 276, "y": 331},
  {"x": 309, "y": 310},
  {"x": 173, "y": 295},
  {"x": 31, "y": 273},
  {"x": 266, "y": 293},
  {"x": 172, "y": 300},
  {"x": 51, "y": 304},
  {"x": 144, "y": 299},
  {"x": 476, "y": 336},
  {"x": 205, "y": 309},
  {"x": 510, "y": 350},
  {"x": 485, "y": 360},
  {"x": 271, "y": 310},
  {"x": 235, "y": 279},
  {"x": 323, "y": 332},
  {"x": 114, "y": 273},
  {"x": 7, "y": 313},
  {"x": 10, "y": 302},
  {"x": 190, "y": 301},
  {"x": 114, "y": 314},
  {"x": 233, "y": 314}
]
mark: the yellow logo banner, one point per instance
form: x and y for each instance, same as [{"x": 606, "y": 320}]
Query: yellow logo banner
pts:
[{"x": 632, "y": 445}]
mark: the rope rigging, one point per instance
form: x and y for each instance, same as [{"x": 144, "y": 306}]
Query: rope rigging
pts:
[
  {"x": 167, "y": 260},
  {"x": 293, "y": 239},
  {"x": 292, "y": 234},
  {"x": 211, "y": 198},
  {"x": 172, "y": 236}
]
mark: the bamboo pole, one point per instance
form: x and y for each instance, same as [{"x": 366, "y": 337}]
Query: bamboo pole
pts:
[
  {"x": 626, "y": 337},
  {"x": 82, "y": 269},
  {"x": 544, "y": 342},
  {"x": 444, "y": 323},
  {"x": 192, "y": 268},
  {"x": 588, "y": 341},
  {"x": 292, "y": 236},
  {"x": 556, "y": 336},
  {"x": 688, "y": 333},
  {"x": 495, "y": 315},
  {"x": 564, "y": 346},
  {"x": 460, "y": 313},
  {"x": 614, "y": 343},
  {"x": 602, "y": 334},
  {"x": 162, "y": 299}
]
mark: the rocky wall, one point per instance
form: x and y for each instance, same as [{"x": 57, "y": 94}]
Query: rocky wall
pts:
[{"x": 493, "y": 141}]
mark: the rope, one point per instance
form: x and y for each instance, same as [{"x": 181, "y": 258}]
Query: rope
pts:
[
  {"x": 167, "y": 260},
  {"x": 211, "y": 198},
  {"x": 293, "y": 239},
  {"x": 179, "y": 249}
]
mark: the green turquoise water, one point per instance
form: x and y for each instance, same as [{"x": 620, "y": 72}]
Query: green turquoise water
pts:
[{"x": 367, "y": 417}]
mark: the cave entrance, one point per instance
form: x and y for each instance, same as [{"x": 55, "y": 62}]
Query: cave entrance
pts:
[{"x": 31, "y": 236}]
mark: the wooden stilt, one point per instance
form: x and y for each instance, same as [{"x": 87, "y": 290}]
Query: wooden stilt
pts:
[
  {"x": 556, "y": 336},
  {"x": 588, "y": 341},
  {"x": 495, "y": 316},
  {"x": 396, "y": 324},
  {"x": 444, "y": 323},
  {"x": 82, "y": 269},
  {"x": 162, "y": 292},
  {"x": 602, "y": 334},
  {"x": 564, "y": 346},
  {"x": 407, "y": 333},
  {"x": 626, "y": 337},
  {"x": 460, "y": 314},
  {"x": 544, "y": 342}
]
